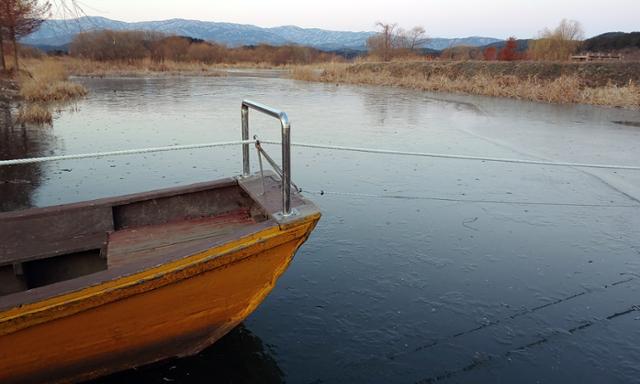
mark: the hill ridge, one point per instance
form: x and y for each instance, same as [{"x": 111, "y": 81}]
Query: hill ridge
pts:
[{"x": 58, "y": 32}]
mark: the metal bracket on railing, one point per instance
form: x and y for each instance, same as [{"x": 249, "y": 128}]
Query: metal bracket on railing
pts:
[
  {"x": 274, "y": 165},
  {"x": 285, "y": 173},
  {"x": 264, "y": 189}
]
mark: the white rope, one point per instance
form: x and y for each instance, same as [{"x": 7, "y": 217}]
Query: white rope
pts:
[
  {"x": 317, "y": 146},
  {"x": 123, "y": 152},
  {"x": 352, "y": 149},
  {"x": 458, "y": 157}
]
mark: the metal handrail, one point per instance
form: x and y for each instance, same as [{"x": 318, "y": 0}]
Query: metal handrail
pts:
[{"x": 286, "y": 148}]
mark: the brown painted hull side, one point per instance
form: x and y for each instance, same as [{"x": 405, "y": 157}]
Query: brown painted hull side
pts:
[{"x": 176, "y": 319}]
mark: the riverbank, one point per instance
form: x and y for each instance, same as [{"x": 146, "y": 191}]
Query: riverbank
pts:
[
  {"x": 41, "y": 85},
  {"x": 47, "y": 81},
  {"x": 146, "y": 67},
  {"x": 615, "y": 84},
  {"x": 140, "y": 68}
]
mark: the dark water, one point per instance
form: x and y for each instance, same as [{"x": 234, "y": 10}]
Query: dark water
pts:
[{"x": 488, "y": 273}]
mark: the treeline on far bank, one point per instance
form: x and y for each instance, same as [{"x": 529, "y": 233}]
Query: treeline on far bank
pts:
[{"x": 132, "y": 46}]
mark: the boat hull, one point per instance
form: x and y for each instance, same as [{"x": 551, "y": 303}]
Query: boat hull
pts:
[{"x": 175, "y": 309}]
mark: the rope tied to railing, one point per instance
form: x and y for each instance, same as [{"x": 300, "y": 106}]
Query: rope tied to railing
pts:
[
  {"x": 122, "y": 152},
  {"x": 318, "y": 146},
  {"x": 458, "y": 157},
  {"x": 261, "y": 152}
]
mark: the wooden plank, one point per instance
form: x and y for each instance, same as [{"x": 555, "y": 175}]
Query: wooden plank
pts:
[
  {"x": 125, "y": 199},
  {"x": 268, "y": 197},
  {"x": 155, "y": 241},
  {"x": 50, "y": 233},
  {"x": 271, "y": 199},
  {"x": 135, "y": 266},
  {"x": 180, "y": 207}
]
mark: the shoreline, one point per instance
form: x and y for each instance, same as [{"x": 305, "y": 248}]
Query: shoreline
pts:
[
  {"x": 606, "y": 84},
  {"x": 37, "y": 89},
  {"x": 232, "y": 71},
  {"x": 89, "y": 68},
  {"x": 615, "y": 85}
]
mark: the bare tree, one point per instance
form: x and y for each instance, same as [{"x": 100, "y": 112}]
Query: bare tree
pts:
[
  {"x": 559, "y": 43},
  {"x": 399, "y": 41},
  {"x": 67, "y": 9},
  {"x": 20, "y": 18},
  {"x": 569, "y": 30},
  {"x": 393, "y": 41},
  {"x": 382, "y": 43},
  {"x": 416, "y": 38},
  {"x": 39, "y": 10},
  {"x": 125, "y": 46}
]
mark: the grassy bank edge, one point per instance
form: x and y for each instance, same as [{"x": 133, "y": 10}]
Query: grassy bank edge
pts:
[
  {"x": 44, "y": 84},
  {"x": 563, "y": 88},
  {"x": 146, "y": 67}
]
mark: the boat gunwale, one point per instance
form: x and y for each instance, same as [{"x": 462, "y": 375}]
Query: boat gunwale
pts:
[
  {"x": 111, "y": 274},
  {"x": 123, "y": 199},
  {"x": 16, "y": 305},
  {"x": 260, "y": 237}
]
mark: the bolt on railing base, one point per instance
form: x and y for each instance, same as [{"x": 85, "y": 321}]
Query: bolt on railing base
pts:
[{"x": 281, "y": 215}]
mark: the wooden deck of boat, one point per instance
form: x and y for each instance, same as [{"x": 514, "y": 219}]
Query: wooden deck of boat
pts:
[
  {"x": 155, "y": 241},
  {"x": 179, "y": 268}
]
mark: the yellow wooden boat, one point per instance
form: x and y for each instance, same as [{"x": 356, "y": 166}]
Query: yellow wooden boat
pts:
[{"x": 96, "y": 287}]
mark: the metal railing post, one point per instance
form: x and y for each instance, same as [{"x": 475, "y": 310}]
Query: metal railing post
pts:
[
  {"x": 286, "y": 148},
  {"x": 286, "y": 164},
  {"x": 246, "y": 169}
]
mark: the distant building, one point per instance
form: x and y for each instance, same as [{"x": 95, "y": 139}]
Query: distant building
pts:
[{"x": 590, "y": 56}]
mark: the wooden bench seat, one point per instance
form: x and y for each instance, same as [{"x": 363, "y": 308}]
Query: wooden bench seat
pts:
[{"x": 154, "y": 241}]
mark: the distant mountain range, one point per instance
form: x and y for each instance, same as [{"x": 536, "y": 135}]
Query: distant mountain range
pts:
[
  {"x": 58, "y": 33},
  {"x": 612, "y": 41}
]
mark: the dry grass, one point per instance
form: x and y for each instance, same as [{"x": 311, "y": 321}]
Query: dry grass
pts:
[
  {"x": 146, "y": 67},
  {"x": 626, "y": 96},
  {"x": 34, "y": 114},
  {"x": 42, "y": 84},
  {"x": 46, "y": 82},
  {"x": 326, "y": 72},
  {"x": 306, "y": 73},
  {"x": 42, "y": 91},
  {"x": 563, "y": 89}
]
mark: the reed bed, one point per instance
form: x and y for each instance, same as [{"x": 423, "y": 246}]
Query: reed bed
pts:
[
  {"x": 46, "y": 81},
  {"x": 306, "y": 73},
  {"x": 564, "y": 88},
  {"x": 34, "y": 114},
  {"x": 43, "y": 84}
]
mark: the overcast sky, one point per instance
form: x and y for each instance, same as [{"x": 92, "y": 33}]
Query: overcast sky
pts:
[{"x": 441, "y": 18}]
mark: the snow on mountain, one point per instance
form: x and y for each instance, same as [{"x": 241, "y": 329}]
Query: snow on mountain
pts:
[{"x": 61, "y": 32}]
